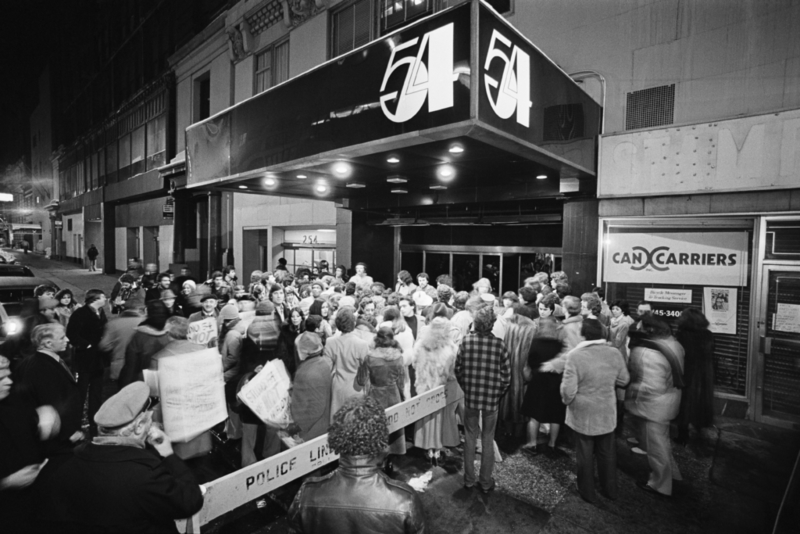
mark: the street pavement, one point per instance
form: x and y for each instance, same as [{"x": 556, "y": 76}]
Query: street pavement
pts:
[
  {"x": 66, "y": 274},
  {"x": 734, "y": 478}
]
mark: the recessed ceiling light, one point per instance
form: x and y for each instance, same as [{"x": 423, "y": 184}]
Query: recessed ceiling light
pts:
[
  {"x": 269, "y": 182},
  {"x": 439, "y": 187},
  {"x": 541, "y": 177},
  {"x": 242, "y": 187},
  {"x": 396, "y": 179},
  {"x": 355, "y": 185},
  {"x": 399, "y": 191},
  {"x": 445, "y": 173},
  {"x": 321, "y": 188},
  {"x": 393, "y": 159},
  {"x": 456, "y": 149},
  {"x": 341, "y": 169},
  {"x": 302, "y": 176},
  {"x": 327, "y": 230}
]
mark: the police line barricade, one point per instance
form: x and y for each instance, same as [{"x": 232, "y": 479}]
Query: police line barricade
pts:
[{"x": 227, "y": 493}]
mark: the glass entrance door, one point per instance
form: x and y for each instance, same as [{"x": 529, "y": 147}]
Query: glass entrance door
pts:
[{"x": 778, "y": 383}]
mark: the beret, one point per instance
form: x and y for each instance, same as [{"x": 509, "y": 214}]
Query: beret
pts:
[
  {"x": 229, "y": 311},
  {"x": 123, "y": 407},
  {"x": 167, "y": 294}
]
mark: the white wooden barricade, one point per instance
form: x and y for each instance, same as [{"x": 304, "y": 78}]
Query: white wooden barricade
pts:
[{"x": 234, "y": 490}]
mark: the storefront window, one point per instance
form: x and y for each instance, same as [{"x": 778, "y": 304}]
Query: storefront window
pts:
[
  {"x": 412, "y": 262},
  {"x": 436, "y": 264},
  {"x": 465, "y": 271},
  {"x": 676, "y": 268}
]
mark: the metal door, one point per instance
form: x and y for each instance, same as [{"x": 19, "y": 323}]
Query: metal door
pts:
[{"x": 778, "y": 365}]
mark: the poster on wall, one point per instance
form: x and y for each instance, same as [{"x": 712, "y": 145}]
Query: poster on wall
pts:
[
  {"x": 696, "y": 258},
  {"x": 673, "y": 296},
  {"x": 719, "y": 307}
]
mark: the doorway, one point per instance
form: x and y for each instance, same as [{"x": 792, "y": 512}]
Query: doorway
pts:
[
  {"x": 778, "y": 358},
  {"x": 150, "y": 249}
]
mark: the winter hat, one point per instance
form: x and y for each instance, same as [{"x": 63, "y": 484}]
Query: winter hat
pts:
[
  {"x": 229, "y": 311},
  {"x": 265, "y": 307},
  {"x": 308, "y": 344}
]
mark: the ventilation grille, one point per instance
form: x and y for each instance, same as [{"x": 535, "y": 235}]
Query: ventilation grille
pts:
[
  {"x": 650, "y": 107},
  {"x": 270, "y": 14},
  {"x": 563, "y": 122}
]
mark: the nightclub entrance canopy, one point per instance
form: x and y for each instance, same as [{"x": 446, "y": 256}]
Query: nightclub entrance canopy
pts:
[{"x": 457, "y": 108}]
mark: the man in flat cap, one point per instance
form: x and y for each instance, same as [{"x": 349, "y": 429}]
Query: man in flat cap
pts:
[{"x": 116, "y": 483}]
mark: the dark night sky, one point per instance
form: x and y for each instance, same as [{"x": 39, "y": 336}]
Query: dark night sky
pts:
[{"x": 27, "y": 34}]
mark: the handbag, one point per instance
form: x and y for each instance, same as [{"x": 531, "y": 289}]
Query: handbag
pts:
[{"x": 362, "y": 377}]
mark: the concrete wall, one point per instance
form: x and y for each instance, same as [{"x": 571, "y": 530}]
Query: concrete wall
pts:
[
  {"x": 726, "y": 58},
  {"x": 260, "y": 211},
  {"x": 211, "y": 57},
  {"x": 121, "y": 246},
  {"x": 69, "y": 236}
]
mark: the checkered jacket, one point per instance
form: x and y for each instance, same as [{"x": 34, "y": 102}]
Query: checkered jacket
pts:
[{"x": 483, "y": 371}]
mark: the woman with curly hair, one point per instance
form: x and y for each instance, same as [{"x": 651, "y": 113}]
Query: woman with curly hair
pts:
[
  {"x": 386, "y": 379},
  {"x": 347, "y": 352},
  {"x": 435, "y": 361}
]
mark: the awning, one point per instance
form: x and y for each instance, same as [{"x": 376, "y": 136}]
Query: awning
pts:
[{"x": 459, "y": 107}]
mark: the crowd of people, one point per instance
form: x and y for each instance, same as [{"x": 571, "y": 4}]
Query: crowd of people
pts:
[{"x": 525, "y": 362}]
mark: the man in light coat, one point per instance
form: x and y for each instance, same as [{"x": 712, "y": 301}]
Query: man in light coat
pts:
[{"x": 592, "y": 371}]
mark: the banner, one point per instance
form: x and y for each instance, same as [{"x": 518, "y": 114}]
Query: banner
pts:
[
  {"x": 719, "y": 307},
  {"x": 192, "y": 393},
  {"x": 268, "y": 395},
  {"x": 204, "y": 332},
  {"x": 685, "y": 258}
]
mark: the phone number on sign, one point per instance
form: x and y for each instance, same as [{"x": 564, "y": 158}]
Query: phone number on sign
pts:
[{"x": 667, "y": 313}]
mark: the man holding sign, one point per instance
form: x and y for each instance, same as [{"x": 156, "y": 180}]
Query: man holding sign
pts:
[{"x": 203, "y": 328}]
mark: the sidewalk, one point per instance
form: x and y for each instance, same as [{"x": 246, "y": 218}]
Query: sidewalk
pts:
[{"x": 66, "y": 274}]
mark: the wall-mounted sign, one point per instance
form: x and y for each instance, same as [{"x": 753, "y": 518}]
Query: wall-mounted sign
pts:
[
  {"x": 719, "y": 307},
  {"x": 58, "y": 224},
  {"x": 696, "y": 258},
  {"x": 309, "y": 237},
  {"x": 682, "y": 296},
  {"x": 6, "y": 197},
  {"x": 168, "y": 211}
]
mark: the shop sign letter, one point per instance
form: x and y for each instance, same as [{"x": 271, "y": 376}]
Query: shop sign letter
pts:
[
  {"x": 433, "y": 80},
  {"x": 513, "y": 91}
]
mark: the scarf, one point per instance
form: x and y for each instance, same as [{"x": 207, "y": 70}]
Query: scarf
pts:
[
  {"x": 124, "y": 441},
  {"x": 672, "y": 358}
]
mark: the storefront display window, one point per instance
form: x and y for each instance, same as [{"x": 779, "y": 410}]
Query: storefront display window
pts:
[{"x": 677, "y": 267}]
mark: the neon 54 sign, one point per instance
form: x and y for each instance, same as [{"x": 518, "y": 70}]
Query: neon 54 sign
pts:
[
  {"x": 512, "y": 93},
  {"x": 432, "y": 80}
]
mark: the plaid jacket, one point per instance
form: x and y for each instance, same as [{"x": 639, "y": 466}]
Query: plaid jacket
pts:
[{"x": 483, "y": 371}]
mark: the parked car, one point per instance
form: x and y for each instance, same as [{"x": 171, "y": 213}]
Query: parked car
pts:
[
  {"x": 7, "y": 257},
  {"x": 7, "y": 269},
  {"x": 13, "y": 290}
]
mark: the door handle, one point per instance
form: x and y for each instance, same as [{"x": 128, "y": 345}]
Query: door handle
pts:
[{"x": 765, "y": 345}]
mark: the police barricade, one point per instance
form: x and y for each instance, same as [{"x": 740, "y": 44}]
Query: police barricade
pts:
[{"x": 225, "y": 494}]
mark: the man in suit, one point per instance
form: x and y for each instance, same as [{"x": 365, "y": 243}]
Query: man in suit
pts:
[
  {"x": 85, "y": 330},
  {"x": 45, "y": 379}
]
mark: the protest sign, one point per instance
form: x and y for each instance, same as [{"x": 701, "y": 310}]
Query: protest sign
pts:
[
  {"x": 192, "y": 393},
  {"x": 204, "y": 332},
  {"x": 267, "y": 395}
]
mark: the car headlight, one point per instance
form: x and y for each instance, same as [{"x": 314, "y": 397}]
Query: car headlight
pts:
[{"x": 12, "y": 327}]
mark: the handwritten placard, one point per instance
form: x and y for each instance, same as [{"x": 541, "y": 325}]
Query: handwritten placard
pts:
[
  {"x": 267, "y": 394},
  {"x": 204, "y": 332},
  {"x": 192, "y": 393},
  {"x": 787, "y": 318}
]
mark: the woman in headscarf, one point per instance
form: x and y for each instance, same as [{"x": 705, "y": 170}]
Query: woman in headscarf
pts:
[{"x": 435, "y": 360}]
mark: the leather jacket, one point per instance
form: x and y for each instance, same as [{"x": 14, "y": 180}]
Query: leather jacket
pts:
[{"x": 357, "y": 498}]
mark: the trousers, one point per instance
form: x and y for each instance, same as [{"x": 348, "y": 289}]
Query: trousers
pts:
[
  {"x": 663, "y": 469},
  {"x": 472, "y": 428},
  {"x": 605, "y": 449}
]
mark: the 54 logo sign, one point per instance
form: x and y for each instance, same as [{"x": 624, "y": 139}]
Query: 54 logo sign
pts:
[
  {"x": 433, "y": 80},
  {"x": 513, "y": 91}
]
